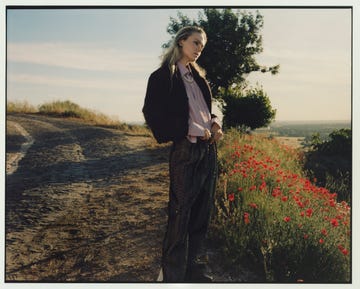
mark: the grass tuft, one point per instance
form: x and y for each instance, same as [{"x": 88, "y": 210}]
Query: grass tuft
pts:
[{"x": 20, "y": 107}]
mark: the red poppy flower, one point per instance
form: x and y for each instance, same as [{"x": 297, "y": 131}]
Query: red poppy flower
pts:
[
  {"x": 306, "y": 236},
  {"x": 321, "y": 241},
  {"x": 231, "y": 197},
  {"x": 284, "y": 198},
  {"x": 276, "y": 192},
  {"x": 324, "y": 232},
  {"x": 287, "y": 219},
  {"x": 309, "y": 212},
  {"x": 253, "y": 205},
  {"x": 246, "y": 218},
  {"x": 300, "y": 204},
  {"x": 262, "y": 186},
  {"x": 334, "y": 222}
]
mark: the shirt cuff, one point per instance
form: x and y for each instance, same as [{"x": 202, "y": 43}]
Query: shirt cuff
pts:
[{"x": 217, "y": 121}]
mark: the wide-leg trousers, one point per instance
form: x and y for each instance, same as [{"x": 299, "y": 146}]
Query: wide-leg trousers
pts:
[{"x": 193, "y": 174}]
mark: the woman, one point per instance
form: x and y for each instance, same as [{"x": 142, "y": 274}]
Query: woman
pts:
[{"x": 177, "y": 108}]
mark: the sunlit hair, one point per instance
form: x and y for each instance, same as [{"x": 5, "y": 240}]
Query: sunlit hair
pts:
[{"x": 174, "y": 53}]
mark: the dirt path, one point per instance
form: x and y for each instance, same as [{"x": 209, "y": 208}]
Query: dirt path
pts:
[{"x": 86, "y": 204}]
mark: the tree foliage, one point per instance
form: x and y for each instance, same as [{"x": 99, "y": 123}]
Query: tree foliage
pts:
[
  {"x": 339, "y": 142},
  {"x": 246, "y": 109},
  {"x": 234, "y": 40}
]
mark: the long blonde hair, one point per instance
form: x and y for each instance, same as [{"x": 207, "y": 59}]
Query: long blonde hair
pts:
[{"x": 173, "y": 54}]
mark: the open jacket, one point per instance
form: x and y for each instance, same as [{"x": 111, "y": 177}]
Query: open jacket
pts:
[{"x": 166, "y": 107}]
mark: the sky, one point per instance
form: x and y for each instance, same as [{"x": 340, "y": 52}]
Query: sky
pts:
[{"x": 102, "y": 58}]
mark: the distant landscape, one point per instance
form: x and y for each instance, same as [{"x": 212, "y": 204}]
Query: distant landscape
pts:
[{"x": 304, "y": 128}]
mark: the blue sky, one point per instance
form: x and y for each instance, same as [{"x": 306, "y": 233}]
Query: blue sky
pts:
[{"x": 101, "y": 59}]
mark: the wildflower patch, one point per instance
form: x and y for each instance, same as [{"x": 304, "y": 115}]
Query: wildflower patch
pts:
[{"x": 269, "y": 214}]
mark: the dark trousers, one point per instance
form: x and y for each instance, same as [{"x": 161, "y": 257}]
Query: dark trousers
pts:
[{"x": 193, "y": 173}]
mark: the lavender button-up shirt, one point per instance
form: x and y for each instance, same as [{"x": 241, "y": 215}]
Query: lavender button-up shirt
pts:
[{"x": 199, "y": 115}]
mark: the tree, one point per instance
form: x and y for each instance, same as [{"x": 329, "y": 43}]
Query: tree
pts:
[
  {"x": 246, "y": 109},
  {"x": 233, "y": 41}
]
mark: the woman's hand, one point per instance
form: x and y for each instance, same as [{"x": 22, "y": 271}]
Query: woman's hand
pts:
[
  {"x": 207, "y": 134},
  {"x": 216, "y": 133}
]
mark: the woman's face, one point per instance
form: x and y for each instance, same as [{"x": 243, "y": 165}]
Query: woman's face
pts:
[{"x": 192, "y": 47}]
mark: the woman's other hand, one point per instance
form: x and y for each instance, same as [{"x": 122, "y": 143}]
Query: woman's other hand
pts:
[{"x": 216, "y": 133}]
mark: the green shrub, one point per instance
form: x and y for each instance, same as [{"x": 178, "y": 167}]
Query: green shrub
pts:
[
  {"x": 330, "y": 162},
  {"x": 246, "y": 109},
  {"x": 269, "y": 215}
]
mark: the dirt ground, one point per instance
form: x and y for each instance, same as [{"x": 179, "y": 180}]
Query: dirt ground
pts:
[{"x": 87, "y": 204}]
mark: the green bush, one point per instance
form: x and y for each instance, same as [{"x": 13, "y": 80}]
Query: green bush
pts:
[
  {"x": 269, "y": 215},
  {"x": 330, "y": 162},
  {"x": 246, "y": 108}
]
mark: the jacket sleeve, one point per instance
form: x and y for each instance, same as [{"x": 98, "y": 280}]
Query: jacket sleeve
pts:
[{"x": 155, "y": 108}]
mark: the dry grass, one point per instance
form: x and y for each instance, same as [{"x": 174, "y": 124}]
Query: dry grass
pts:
[
  {"x": 20, "y": 107},
  {"x": 68, "y": 109},
  {"x": 73, "y": 110}
]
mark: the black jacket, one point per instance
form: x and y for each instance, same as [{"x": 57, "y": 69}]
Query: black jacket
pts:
[{"x": 166, "y": 107}]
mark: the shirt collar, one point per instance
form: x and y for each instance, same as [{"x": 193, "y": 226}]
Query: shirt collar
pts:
[{"x": 182, "y": 68}]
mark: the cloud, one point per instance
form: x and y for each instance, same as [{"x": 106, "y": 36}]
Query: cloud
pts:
[
  {"x": 134, "y": 85},
  {"x": 79, "y": 56}
]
